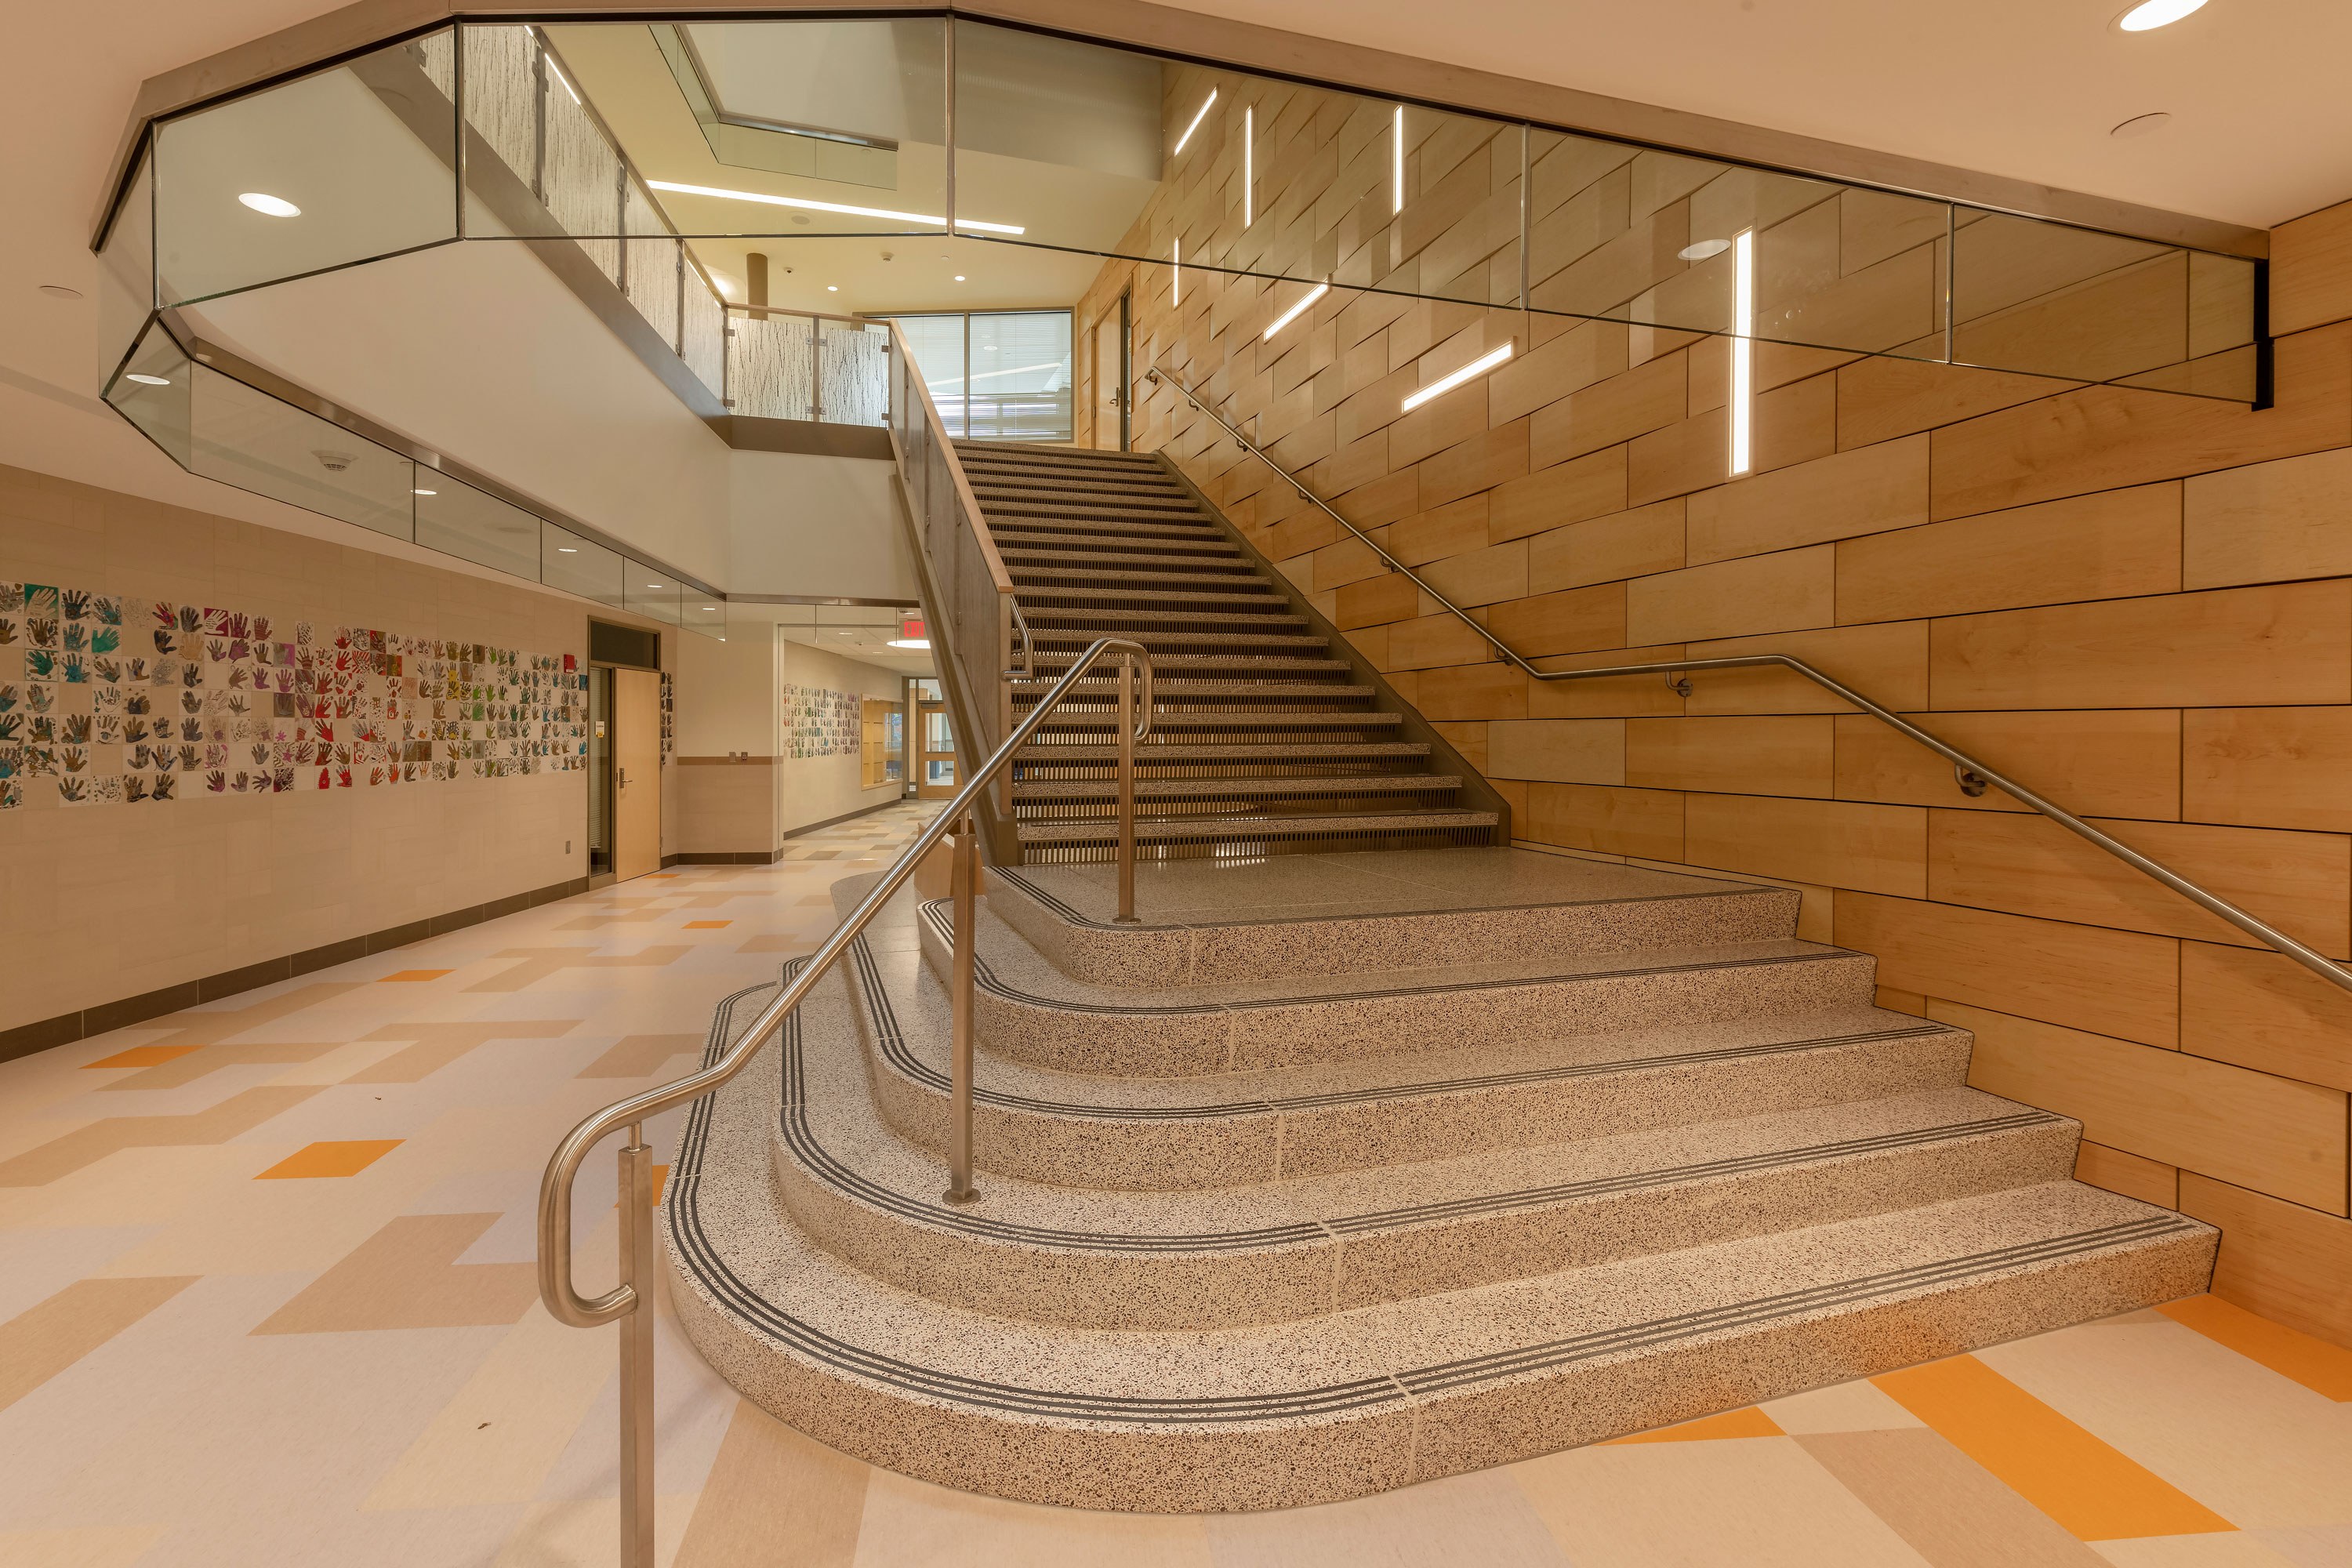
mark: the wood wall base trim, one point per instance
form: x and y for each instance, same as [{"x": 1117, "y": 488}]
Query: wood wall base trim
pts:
[{"x": 100, "y": 1018}]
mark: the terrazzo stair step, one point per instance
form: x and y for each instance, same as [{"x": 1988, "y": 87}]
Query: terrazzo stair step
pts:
[
  {"x": 1328, "y": 830},
  {"x": 1059, "y": 457},
  {"x": 1181, "y": 665},
  {"x": 1094, "y": 506},
  {"x": 1105, "y": 792},
  {"x": 1171, "y": 688},
  {"x": 1284, "y": 1250},
  {"x": 1147, "y": 754},
  {"x": 1091, "y": 1131},
  {"x": 1357, "y": 915},
  {"x": 1056, "y": 477},
  {"x": 1205, "y": 560},
  {"x": 1351, "y": 1403},
  {"x": 1118, "y": 573},
  {"x": 1021, "y": 522},
  {"x": 1029, "y": 1011},
  {"x": 1241, "y": 598},
  {"x": 1227, "y": 718},
  {"x": 1047, "y": 632}
]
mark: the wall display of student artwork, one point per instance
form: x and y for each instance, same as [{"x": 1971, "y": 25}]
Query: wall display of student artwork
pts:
[
  {"x": 820, "y": 723},
  {"x": 107, "y": 699},
  {"x": 669, "y": 717}
]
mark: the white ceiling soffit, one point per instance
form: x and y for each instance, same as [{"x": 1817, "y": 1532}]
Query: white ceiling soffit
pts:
[{"x": 2029, "y": 89}]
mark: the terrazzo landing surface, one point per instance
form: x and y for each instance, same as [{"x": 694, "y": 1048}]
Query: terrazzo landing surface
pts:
[{"x": 266, "y": 1297}]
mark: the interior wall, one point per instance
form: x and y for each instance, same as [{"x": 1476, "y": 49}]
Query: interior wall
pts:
[
  {"x": 2139, "y": 603},
  {"x": 805, "y": 524},
  {"x": 815, "y": 789},
  {"x": 210, "y": 891},
  {"x": 724, "y": 776}
]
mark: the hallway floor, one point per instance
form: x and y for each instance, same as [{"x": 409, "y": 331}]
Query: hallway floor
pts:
[{"x": 266, "y": 1296}]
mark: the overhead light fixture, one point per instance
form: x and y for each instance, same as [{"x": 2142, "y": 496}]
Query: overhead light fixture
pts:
[
  {"x": 147, "y": 380},
  {"x": 1197, "y": 118},
  {"x": 566, "y": 550},
  {"x": 709, "y": 608},
  {"x": 959, "y": 276},
  {"x": 920, "y": 645},
  {"x": 652, "y": 584},
  {"x": 1704, "y": 250},
  {"x": 1470, "y": 372},
  {"x": 806, "y": 205},
  {"x": 269, "y": 205},
  {"x": 833, "y": 288},
  {"x": 2150, "y": 15},
  {"x": 1743, "y": 348},
  {"x": 418, "y": 492},
  {"x": 1396, "y": 175},
  {"x": 1293, "y": 313},
  {"x": 1249, "y": 159}
]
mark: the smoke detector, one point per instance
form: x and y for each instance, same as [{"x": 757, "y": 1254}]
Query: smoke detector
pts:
[{"x": 336, "y": 462}]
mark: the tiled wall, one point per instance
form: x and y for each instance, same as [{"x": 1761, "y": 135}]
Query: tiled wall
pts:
[
  {"x": 2139, "y": 603},
  {"x": 100, "y": 905}
]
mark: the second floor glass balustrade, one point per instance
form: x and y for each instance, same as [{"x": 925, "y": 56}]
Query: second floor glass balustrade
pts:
[{"x": 937, "y": 157}]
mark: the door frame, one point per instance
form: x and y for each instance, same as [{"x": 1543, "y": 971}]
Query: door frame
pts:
[{"x": 601, "y": 770}]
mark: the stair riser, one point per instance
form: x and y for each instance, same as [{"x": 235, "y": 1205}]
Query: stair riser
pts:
[
  {"x": 1171, "y": 1043},
  {"x": 1388, "y": 1442},
  {"x": 1151, "y": 956}
]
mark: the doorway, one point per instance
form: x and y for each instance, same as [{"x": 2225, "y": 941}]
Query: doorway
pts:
[
  {"x": 1113, "y": 370},
  {"x": 934, "y": 775},
  {"x": 636, "y": 772}
]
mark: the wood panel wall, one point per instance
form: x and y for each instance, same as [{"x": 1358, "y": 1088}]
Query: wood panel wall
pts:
[{"x": 2139, "y": 602}]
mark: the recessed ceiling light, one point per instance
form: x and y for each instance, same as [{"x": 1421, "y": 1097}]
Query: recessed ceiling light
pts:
[
  {"x": 147, "y": 380},
  {"x": 566, "y": 550},
  {"x": 1700, "y": 250},
  {"x": 652, "y": 584},
  {"x": 833, "y": 288},
  {"x": 830, "y": 207},
  {"x": 2140, "y": 125},
  {"x": 921, "y": 644},
  {"x": 59, "y": 291},
  {"x": 2150, "y": 15},
  {"x": 269, "y": 205},
  {"x": 959, "y": 276},
  {"x": 709, "y": 607},
  {"x": 418, "y": 492}
]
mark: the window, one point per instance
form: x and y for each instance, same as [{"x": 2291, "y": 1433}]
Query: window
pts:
[{"x": 996, "y": 376}]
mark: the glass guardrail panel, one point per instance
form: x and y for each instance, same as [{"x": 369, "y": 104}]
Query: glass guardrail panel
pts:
[
  {"x": 503, "y": 90},
  {"x": 247, "y": 438},
  {"x": 653, "y": 265},
  {"x": 580, "y": 566},
  {"x": 808, "y": 127},
  {"x": 852, "y": 388},
  {"x": 153, "y": 392},
  {"x": 581, "y": 178},
  {"x": 456, "y": 518},
  {"x": 340, "y": 166},
  {"x": 772, "y": 368},
  {"x": 126, "y": 272},
  {"x": 703, "y": 333},
  {"x": 650, "y": 593}
]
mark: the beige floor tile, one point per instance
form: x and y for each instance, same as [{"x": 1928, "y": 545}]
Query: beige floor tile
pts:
[
  {"x": 1759, "y": 1502},
  {"x": 2191, "y": 1551},
  {"x": 102, "y": 1546},
  {"x": 2256, "y": 1447},
  {"x": 582, "y": 1533},
  {"x": 765, "y": 1470},
  {"x": 1948, "y": 1507},
  {"x": 911, "y": 1524},
  {"x": 1842, "y": 1407},
  {"x": 1483, "y": 1518}
]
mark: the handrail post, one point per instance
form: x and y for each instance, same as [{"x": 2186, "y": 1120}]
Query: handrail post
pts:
[
  {"x": 636, "y": 1161},
  {"x": 1127, "y": 723},
  {"x": 967, "y": 937}
]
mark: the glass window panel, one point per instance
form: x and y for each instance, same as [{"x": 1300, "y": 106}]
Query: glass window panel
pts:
[
  {"x": 455, "y": 516},
  {"x": 578, "y": 565},
  {"x": 650, "y": 593},
  {"x": 362, "y": 153},
  {"x": 936, "y": 345},
  {"x": 1021, "y": 376},
  {"x": 153, "y": 392},
  {"x": 253, "y": 441},
  {"x": 700, "y": 613},
  {"x": 126, "y": 272},
  {"x": 772, "y": 370}
]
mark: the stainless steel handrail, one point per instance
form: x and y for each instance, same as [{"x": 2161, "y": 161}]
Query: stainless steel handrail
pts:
[
  {"x": 625, "y": 1302},
  {"x": 1972, "y": 774}
]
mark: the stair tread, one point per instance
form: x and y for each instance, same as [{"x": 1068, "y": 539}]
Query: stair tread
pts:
[
  {"x": 1150, "y": 753},
  {"x": 1178, "y": 686},
  {"x": 1088, "y": 614},
  {"x": 1178, "y": 789}
]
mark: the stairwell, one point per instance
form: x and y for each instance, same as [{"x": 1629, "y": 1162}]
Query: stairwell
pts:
[{"x": 1264, "y": 741}]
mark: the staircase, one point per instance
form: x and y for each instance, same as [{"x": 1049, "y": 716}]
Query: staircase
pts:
[
  {"x": 1344, "y": 1171},
  {"x": 1263, "y": 741}
]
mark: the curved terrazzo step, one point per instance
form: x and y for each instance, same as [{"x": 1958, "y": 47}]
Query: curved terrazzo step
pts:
[
  {"x": 1464, "y": 905},
  {"x": 1028, "y": 1011},
  {"x": 1354, "y": 1402},
  {"x": 1302, "y": 1247},
  {"x": 1179, "y": 1135}
]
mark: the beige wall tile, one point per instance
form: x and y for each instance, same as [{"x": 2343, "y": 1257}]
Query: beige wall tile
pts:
[
  {"x": 1865, "y": 491},
  {"x": 1486, "y": 576},
  {"x": 1794, "y": 424},
  {"x": 2113, "y": 544},
  {"x": 1562, "y": 494},
  {"x": 2262, "y": 1009},
  {"x": 1605, "y": 696},
  {"x": 1564, "y": 751},
  {"x": 1788, "y": 591},
  {"x": 1887, "y": 664},
  {"x": 1573, "y": 620},
  {"x": 2284, "y": 767},
  {"x": 1607, "y": 549},
  {"x": 2116, "y": 982},
  {"x": 2311, "y": 269},
  {"x": 2133, "y": 1175},
  {"x": 2165, "y": 1105},
  {"x": 1881, "y": 397},
  {"x": 1790, "y": 756},
  {"x": 1642, "y": 822},
  {"x": 2269, "y": 522},
  {"x": 1876, "y": 848},
  {"x": 2288, "y": 1263},
  {"x": 1615, "y": 411},
  {"x": 2123, "y": 761},
  {"x": 2291, "y": 643}
]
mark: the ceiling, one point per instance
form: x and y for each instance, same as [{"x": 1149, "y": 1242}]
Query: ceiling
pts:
[
  {"x": 2262, "y": 119},
  {"x": 862, "y": 632}
]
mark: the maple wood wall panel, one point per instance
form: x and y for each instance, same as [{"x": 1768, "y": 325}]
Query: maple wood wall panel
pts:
[{"x": 2138, "y": 603}]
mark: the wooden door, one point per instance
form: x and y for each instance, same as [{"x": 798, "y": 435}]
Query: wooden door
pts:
[
  {"x": 1110, "y": 378},
  {"x": 636, "y": 772},
  {"x": 935, "y": 777}
]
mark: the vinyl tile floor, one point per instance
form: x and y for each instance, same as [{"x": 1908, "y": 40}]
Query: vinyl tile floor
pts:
[{"x": 266, "y": 1296}]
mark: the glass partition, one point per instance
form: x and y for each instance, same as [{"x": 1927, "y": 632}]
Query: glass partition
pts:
[
  {"x": 580, "y": 565},
  {"x": 650, "y": 593},
  {"x": 459, "y": 519},
  {"x": 706, "y": 616},
  {"x": 153, "y": 393},
  {"x": 247, "y": 438},
  {"x": 126, "y": 272}
]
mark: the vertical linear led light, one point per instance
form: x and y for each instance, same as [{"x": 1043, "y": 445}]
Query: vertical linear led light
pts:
[
  {"x": 1396, "y": 170},
  {"x": 1176, "y": 265},
  {"x": 1295, "y": 311},
  {"x": 1197, "y": 118},
  {"x": 1743, "y": 346},
  {"x": 1249, "y": 155}
]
